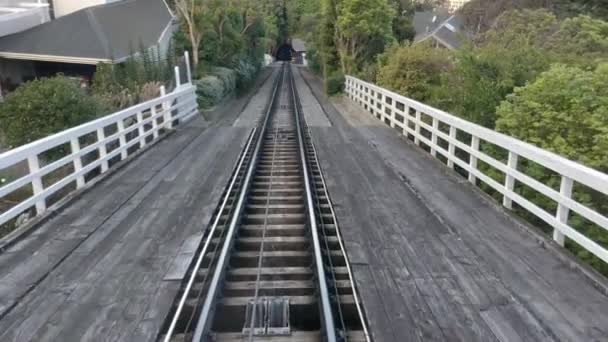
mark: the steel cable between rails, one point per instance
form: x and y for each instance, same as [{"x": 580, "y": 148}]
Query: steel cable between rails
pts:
[{"x": 261, "y": 251}]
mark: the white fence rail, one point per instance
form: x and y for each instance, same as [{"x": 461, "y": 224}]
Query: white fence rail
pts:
[
  {"x": 109, "y": 138},
  {"x": 409, "y": 116}
]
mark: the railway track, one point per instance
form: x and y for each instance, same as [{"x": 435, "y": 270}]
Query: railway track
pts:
[{"x": 272, "y": 265}]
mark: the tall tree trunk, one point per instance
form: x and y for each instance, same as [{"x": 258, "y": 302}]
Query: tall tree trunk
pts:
[
  {"x": 195, "y": 45},
  {"x": 195, "y": 55}
]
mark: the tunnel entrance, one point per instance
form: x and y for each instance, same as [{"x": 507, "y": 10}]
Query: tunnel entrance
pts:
[{"x": 284, "y": 52}]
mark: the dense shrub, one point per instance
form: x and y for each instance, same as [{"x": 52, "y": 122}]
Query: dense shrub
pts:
[
  {"x": 412, "y": 70},
  {"x": 209, "y": 91},
  {"x": 334, "y": 83},
  {"x": 227, "y": 76},
  {"x": 565, "y": 111},
  {"x": 42, "y": 107},
  {"x": 247, "y": 72},
  {"x": 129, "y": 83}
]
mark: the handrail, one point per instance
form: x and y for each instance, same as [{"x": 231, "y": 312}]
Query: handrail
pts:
[
  {"x": 138, "y": 125},
  {"x": 385, "y": 105}
]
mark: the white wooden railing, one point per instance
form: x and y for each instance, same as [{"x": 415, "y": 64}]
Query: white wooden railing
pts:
[
  {"x": 112, "y": 137},
  {"x": 412, "y": 118}
]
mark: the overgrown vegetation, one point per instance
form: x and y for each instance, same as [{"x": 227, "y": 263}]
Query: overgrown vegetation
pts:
[
  {"x": 534, "y": 74},
  {"x": 43, "y": 107},
  {"x": 533, "y": 69},
  {"x": 236, "y": 34},
  {"x": 136, "y": 80}
]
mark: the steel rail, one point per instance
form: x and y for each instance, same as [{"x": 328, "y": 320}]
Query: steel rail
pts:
[
  {"x": 343, "y": 249},
  {"x": 261, "y": 257},
  {"x": 201, "y": 257},
  {"x": 339, "y": 236},
  {"x": 328, "y": 318},
  {"x": 202, "y": 325}
]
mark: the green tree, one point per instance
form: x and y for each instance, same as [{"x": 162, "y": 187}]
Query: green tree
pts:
[
  {"x": 327, "y": 53},
  {"x": 359, "y": 24},
  {"x": 45, "y": 106},
  {"x": 582, "y": 40},
  {"x": 403, "y": 26},
  {"x": 565, "y": 111},
  {"x": 412, "y": 70},
  {"x": 190, "y": 14},
  {"x": 507, "y": 56},
  {"x": 520, "y": 27}
]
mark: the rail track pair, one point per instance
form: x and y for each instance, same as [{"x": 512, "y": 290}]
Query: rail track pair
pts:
[{"x": 271, "y": 266}]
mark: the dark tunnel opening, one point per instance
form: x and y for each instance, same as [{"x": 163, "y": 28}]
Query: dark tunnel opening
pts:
[{"x": 284, "y": 52}]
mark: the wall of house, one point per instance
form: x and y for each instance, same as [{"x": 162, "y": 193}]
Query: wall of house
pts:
[
  {"x": 20, "y": 16},
  {"x": 15, "y": 71},
  {"x": 165, "y": 40},
  {"x": 63, "y": 7}
]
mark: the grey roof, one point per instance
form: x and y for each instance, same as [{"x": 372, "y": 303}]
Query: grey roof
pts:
[
  {"x": 424, "y": 23},
  {"x": 448, "y": 33},
  {"x": 298, "y": 45},
  {"x": 105, "y": 32}
]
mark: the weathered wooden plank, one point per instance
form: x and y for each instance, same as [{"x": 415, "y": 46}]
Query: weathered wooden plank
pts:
[
  {"x": 379, "y": 322},
  {"x": 490, "y": 263}
]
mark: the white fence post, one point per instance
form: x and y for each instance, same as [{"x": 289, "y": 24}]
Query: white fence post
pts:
[
  {"x": 122, "y": 138},
  {"x": 141, "y": 129},
  {"x": 434, "y": 137},
  {"x": 188, "y": 68},
  {"x": 418, "y": 116},
  {"x": 154, "y": 122},
  {"x": 178, "y": 81},
  {"x": 167, "y": 118},
  {"x": 75, "y": 144},
  {"x": 510, "y": 180},
  {"x": 103, "y": 150},
  {"x": 565, "y": 189},
  {"x": 472, "y": 158},
  {"x": 452, "y": 147},
  {"x": 37, "y": 187}
]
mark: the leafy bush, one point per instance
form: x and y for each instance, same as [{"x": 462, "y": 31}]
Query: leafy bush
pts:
[
  {"x": 129, "y": 83},
  {"x": 565, "y": 111},
  {"x": 42, "y": 107},
  {"x": 246, "y": 74},
  {"x": 227, "y": 76},
  {"x": 209, "y": 91},
  {"x": 334, "y": 83},
  {"x": 581, "y": 40},
  {"x": 412, "y": 70}
]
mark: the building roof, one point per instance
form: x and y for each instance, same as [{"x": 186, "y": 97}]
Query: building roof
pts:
[
  {"x": 448, "y": 32},
  {"x": 104, "y": 33},
  {"x": 426, "y": 22},
  {"x": 298, "y": 45},
  {"x": 20, "y": 15}
]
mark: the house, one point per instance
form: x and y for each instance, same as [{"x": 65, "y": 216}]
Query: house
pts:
[
  {"x": 17, "y": 16},
  {"x": 299, "y": 51},
  {"x": 75, "y": 43},
  {"x": 20, "y": 15},
  {"x": 60, "y": 8},
  {"x": 440, "y": 28},
  {"x": 455, "y": 5}
]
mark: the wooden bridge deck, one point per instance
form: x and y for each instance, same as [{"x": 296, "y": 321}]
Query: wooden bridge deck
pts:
[{"x": 433, "y": 259}]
